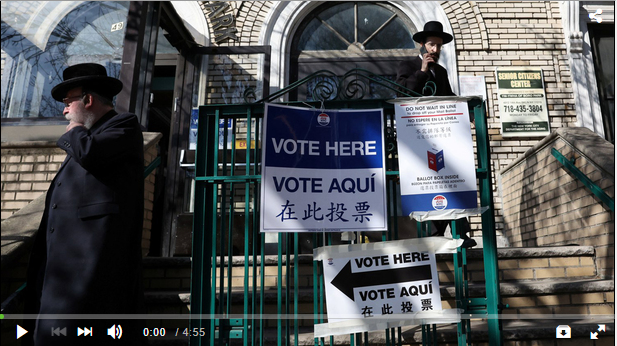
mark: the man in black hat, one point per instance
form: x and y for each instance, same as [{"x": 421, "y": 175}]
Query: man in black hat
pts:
[
  {"x": 86, "y": 258},
  {"x": 413, "y": 74}
]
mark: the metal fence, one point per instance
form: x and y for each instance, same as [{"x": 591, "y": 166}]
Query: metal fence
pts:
[{"x": 250, "y": 310}]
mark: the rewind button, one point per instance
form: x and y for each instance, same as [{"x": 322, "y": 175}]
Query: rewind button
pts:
[{"x": 58, "y": 331}]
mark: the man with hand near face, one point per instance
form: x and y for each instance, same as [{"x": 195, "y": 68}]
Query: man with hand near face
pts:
[
  {"x": 413, "y": 74},
  {"x": 86, "y": 258}
]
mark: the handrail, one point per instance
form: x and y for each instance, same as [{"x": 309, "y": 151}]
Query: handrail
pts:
[
  {"x": 595, "y": 189},
  {"x": 12, "y": 301},
  {"x": 152, "y": 166}
]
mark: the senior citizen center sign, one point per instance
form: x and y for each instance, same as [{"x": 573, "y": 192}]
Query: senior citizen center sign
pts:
[
  {"x": 522, "y": 102},
  {"x": 436, "y": 158},
  {"x": 322, "y": 170}
]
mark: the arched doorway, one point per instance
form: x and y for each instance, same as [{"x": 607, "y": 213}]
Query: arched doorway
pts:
[
  {"x": 285, "y": 20},
  {"x": 341, "y": 36}
]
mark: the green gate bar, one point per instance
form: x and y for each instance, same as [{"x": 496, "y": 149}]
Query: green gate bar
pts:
[{"x": 220, "y": 186}]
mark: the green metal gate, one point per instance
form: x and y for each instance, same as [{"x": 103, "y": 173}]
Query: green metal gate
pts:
[{"x": 225, "y": 310}]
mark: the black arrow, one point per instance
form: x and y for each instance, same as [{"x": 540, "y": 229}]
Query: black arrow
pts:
[{"x": 346, "y": 281}]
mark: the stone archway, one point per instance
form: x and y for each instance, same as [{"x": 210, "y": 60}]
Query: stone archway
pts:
[{"x": 284, "y": 17}]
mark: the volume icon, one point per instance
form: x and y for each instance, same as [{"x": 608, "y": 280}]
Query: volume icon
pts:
[{"x": 115, "y": 331}]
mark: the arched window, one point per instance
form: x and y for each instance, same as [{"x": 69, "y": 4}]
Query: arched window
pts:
[{"x": 341, "y": 36}]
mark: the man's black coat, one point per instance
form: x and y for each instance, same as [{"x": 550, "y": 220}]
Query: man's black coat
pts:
[
  {"x": 86, "y": 257},
  {"x": 410, "y": 75}
]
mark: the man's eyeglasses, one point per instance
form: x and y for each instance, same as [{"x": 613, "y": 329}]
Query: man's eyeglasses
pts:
[{"x": 68, "y": 100}]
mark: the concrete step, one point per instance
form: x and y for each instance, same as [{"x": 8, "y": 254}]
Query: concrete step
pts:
[
  {"x": 531, "y": 299},
  {"x": 515, "y": 264},
  {"x": 537, "y": 263},
  {"x": 507, "y": 289}
]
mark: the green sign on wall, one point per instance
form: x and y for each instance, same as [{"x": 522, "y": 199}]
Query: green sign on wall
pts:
[{"x": 522, "y": 102}]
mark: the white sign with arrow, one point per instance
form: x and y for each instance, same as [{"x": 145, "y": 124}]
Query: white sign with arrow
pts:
[{"x": 386, "y": 282}]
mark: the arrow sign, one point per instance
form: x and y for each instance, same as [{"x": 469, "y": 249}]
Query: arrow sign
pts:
[
  {"x": 346, "y": 281},
  {"x": 20, "y": 331}
]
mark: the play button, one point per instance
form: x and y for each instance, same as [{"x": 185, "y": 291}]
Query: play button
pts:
[{"x": 20, "y": 331}]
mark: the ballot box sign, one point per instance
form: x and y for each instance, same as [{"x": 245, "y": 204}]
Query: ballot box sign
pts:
[
  {"x": 323, "y": 170},
  {"x": 436, "y": 155},
  {"x": 390, "y": 281}
]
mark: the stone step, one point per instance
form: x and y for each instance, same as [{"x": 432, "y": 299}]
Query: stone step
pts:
[
  {"x": 533, "y": 263},
  {"x": 515, "y": 264},
  {"x": 549, "y": 298},
  {"x": 507, "y": 289}
]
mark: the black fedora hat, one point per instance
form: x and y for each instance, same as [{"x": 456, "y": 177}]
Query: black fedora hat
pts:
[
  {"x": 90, "y": 75},
  {"x": 432, "y": 28}
]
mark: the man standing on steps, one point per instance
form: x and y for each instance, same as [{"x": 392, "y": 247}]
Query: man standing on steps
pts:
[
  {"x": 413, "y": 74},
  {"x": 86, "y": 259}
]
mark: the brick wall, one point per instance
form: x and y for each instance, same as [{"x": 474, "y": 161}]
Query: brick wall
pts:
[
  {"x": 28, "y": 168},
  {"x": 229, "y": 76},
  {"x": 499, "y": 34},
  {"x": 150, "y": 153},
  {"x": 250, "y": 16},
  {"x": 543, "y": 204},
  {"x": 27, "y": 173}
]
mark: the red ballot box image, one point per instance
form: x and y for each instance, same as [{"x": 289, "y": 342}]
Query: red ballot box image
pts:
[{"x": 435, "y": 159}]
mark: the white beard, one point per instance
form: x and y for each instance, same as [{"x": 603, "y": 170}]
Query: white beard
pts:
[
  {"x": 87, "y": 118},
  {"x": 89, "y": 121}
]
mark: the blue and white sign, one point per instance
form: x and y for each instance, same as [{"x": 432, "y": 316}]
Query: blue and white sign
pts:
[
  {"x": 377, "y": 286},
  {"x": 323, "y": 170},
  {"x": 436, "y": 157}
]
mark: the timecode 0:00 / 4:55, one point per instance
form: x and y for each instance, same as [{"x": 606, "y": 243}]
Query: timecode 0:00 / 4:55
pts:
[{"x": 186, "y": 332}]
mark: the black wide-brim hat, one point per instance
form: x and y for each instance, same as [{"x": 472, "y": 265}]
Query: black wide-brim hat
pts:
[
  {"x": 88, "y": 75},
  {"x": 432, "y": 28}
]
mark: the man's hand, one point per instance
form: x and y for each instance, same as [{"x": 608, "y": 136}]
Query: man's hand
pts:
[
  {"x": 427, "y": 59},
  {"x": 72, "y": 125}
]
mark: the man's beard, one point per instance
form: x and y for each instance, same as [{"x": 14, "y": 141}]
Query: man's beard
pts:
[
  {"x": 435, "y": 57},
  {"x": 87, "y": 118}
]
